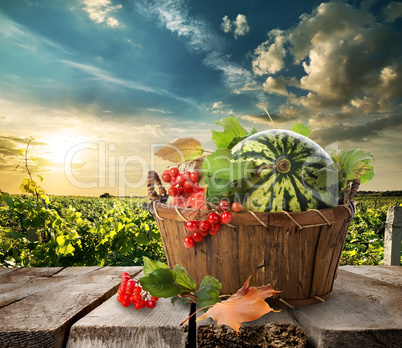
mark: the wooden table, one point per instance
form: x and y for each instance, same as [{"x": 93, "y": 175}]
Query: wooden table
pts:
[{"x": 77, "y": 307}]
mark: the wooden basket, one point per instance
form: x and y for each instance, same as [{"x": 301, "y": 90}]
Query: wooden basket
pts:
[{"x": 297, "y": 253}]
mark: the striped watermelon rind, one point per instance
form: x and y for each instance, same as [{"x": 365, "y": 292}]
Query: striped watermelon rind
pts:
[{"x": 288, "y": 164}]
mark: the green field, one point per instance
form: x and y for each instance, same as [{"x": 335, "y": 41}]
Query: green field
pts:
[{"x": 88, "y": 231}]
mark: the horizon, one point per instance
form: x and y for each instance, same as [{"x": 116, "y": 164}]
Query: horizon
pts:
[{"x": 102, "y": 84}]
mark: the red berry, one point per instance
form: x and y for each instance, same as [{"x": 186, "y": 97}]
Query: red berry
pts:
[
  {"x": 154, "y": 298},
  {"x": 173, "y": 191},
  {"x": 125, "y": 302},
  {"x": 226, "y": 217},
  {"x": 166, "y": 177},
  {"x": 189, "y": 242},
  {"x": 214, "y": 229},
  {"x": 224, "y": 205},
  {"x": 136, "y": 297},
  {"x": 132, "y": 299},
  {"x": 194, "y": 177},
  {"x": 191, "y": 225},
  {"x": 138, "y": 305},
  {"x": 125, "y": 278},
  {"x": 120, "y": 298},
  {"x": 188, "y": 189},
  {"x": 130, "y": 284},
  {"x": 151, "y": 303},
  {"x": 205, "y": 225},
  {"x": 137, "y": 290},
  {"x": 186, "y": 175},
  {"x": 213, "y": 218},
  {"x": 180, "y": 179},
  {"x": 197, "y": 237},
  {"x": 237, "y": 207},
  {"x": 203, "y": 233},
  {"x": 174, "y": 172},
  {"x": 125, "y": 274},
  {"x": 180, "y": 190}
]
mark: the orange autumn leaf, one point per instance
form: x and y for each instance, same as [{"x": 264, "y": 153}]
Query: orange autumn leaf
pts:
[
  {"x": 180, "y": 150},
  {"x": 247, "y": 304}
]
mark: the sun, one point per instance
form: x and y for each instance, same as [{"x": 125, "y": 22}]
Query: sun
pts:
[{"x": 58, "y": 147}]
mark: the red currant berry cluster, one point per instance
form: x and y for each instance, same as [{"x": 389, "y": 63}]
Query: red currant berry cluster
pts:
[
  {"x": 180, "y": 183},
  {"x": 201, "y": 229},
  {"x": 130, "y": 291}
]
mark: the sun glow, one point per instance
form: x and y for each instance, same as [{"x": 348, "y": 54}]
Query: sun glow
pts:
[{"x": 58, "y": 147}]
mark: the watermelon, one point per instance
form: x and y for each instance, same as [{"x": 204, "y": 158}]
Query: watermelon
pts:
[{"x": 287, "y": 165}]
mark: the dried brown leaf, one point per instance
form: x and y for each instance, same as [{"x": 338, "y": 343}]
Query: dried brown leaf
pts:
[
  {"x": 247, "y": 304},
  {"x": 180, "y": 150}
]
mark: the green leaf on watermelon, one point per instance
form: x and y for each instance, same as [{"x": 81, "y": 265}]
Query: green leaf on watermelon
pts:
[
  {"x": 233, "y": 133},
  {"x": 301, "y": 129},
  {"x": 208, "y": 293},
  {"x": 161, "y": 283},
  {"x": 152, "y": 265},
  {"x": 186, "y": 283}
]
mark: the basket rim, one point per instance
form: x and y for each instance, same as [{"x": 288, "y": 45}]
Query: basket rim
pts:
[{"x": 300, "y": 219}]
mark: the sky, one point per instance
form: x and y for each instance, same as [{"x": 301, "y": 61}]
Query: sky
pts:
[{"x": 102, "y": 84}]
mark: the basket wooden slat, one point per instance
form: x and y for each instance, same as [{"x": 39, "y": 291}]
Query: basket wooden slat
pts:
[{"x": 300, "y": 259}]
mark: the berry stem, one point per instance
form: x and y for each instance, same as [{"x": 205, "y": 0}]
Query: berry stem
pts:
[{"x": 182, "y": 323}]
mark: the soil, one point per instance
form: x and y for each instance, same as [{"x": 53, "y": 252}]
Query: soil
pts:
[{"x": 262, "y": 336}]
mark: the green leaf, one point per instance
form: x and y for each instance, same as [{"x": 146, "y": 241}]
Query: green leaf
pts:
[
  {"x": 368, "y": 175},
  {"x": 354, "y": 164},
  {"x": 187, "y": 283},
  {"x": 221, "y": 172},
  {"x": 174, "y": 299},
  {"x": 208, "y": 293},
  {"x": 301, "y": 129},
  {"x": 161, "y": 283},
  {"x": 15, "y": 234},
  {"x": 142, "y": 239},
  {"x": 232, "y": 130},
  {"x": 150, "y": 265}
]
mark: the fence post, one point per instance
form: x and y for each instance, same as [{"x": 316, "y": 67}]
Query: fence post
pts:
[{"x": 392, "y": 236}]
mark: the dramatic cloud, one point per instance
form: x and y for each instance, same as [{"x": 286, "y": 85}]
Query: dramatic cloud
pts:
[
  {"x": 99, "y": 10},
  {"x": 270, "y": 54},
  {"x": 352, "y": 67},
  {"x": 239, "y": 26}
]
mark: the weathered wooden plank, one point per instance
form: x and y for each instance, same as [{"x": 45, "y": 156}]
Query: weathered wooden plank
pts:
[
  {"x": 5, "y": 270},
  {"x": 51, "y": 304},
  {"x": 362, "y": 310},
  {"x": 112, "y": 325},
  {"x": 386, "y": 274},
  {"x": 24, "y": 275},
  {"x": 21, "y": 283}
]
